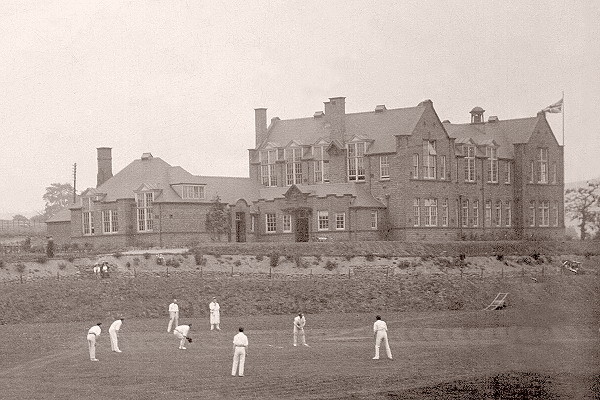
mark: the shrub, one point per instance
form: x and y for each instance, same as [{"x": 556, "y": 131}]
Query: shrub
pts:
[
  {"x": 20, "y": 267},
  {"x": 289, "y": 257},
  {"x": 274, "y": 259},
  {"x": 2, "y": 265},
  {"x": 128, "y": 265},
  {"x": 442, "y": 262},
  {"x": 404, "y": 264},
  {"x": 500, "y": 257},
  {"x": 315, "y": 262},
  {"x": 117, "y": 254},
  {"x": 349, "y": 257},
  {"x": 237, "y": 263},
  {"x": 370, "y": 257},
  {"x": 147, "y": 256},
  {"x": 75, "y": 246},
  {"x": 299, "y": 262},
  {"x": 198, "y": 258},
  {"x": 136, "y": 261},
  {"x": 41, "y": 259},
  {"x": 330, "y": 265},
  {"x": 171, "y": 262},
  {"x": 319, "y": 258},
  {"x": 62, "y": 265},
  {"x": 70, "y": 258},
  {"x": 260, "y": 257}
]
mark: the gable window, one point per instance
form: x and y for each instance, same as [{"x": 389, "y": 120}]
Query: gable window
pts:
[
  {"x": 267, "y": 167},
  {"x": 498, "y": 213},
  {"x": 492, "y": 167},
  {"x": 442, "y": 167},
  {"x": 416, "y": 212},
  {"x": 110, "y": 221},
  {"x": 374, "y": 219},
  {"x": 193, "y": 192},
  {"x": 470, "y": 163},
  {"x": 287, "y": 223},
  {"x": 415, "y": 166},
  {"x": 321, "y": 164},
  {"x": 293, "y": 166},
  {"x": 323, "y": 220},
  {"x": 545, "y": 213},
  {"x": 384, "y": 167},
  {"x": 475, "y": 219},
  {"x": 532, "y": 213},
  {"x": 87, "y": 216},
  {"x": 488, "y": 213},
  {"x": 356, "y": 160},
  {"x": 464, "y": 218},
  {"x": 340, "y": 221},
  {"x": 431, "y": 212},
  {"x": 507, "y": 173},
  {"x": 144, "y": 202},
  {"x": 445, "y": 212},
  {"x": 270, "y": 222},
  {"x": 507, "y": 214},
  {"x": 543, "y": 164},
  {"x": 429, "y": 159}
]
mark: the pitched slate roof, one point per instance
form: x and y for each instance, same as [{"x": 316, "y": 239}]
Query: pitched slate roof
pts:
[
  {"x": 61, "y": 216},
  {"x": 379, "y": 126},
  {"x": 153, "y": 172},
  {"x": 506, "y": 133},
  {"x": 361, "y": 197}
]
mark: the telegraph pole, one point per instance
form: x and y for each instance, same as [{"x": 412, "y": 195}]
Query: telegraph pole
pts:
[{"x": 74, "y": 183}]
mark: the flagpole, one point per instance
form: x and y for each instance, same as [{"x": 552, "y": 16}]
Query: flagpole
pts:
[{"x": 563, "y": 115}]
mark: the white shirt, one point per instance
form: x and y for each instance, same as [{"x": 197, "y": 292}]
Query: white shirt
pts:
[
  {"x": 214, "y": 306},
  {"x": 173, "y": 307},
  {"x": 240, "y": 339},
  {"x": 299, "y": 321},
  {"x": 95, "y": 330},
  {"x": 115, "y": 326},
  {"x": 183, "y": 329},
  {"x": 379, "y": 325}
]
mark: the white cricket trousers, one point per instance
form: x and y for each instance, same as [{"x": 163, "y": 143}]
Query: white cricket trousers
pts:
[
  {"x": 239, "y": 357},
  {"x": 180, "y": 336},
  {"x": 382, "y": 337},
  {"x": 91, "y": 338},
  {"x": 174, "y": 319},
  {"x": 114, "y": 342},
  {"x": 299, "y": 331}
]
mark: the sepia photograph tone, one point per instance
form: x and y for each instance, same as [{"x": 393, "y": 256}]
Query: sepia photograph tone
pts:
[{"x": 299, "y": 200}]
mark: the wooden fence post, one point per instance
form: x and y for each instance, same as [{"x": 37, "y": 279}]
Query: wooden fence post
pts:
[
  {"x": 349, "y": 273},
  {"x": 271, "y": 272},
  {"x": 167, "y": 272},
  {"x": 232, "y": 270}
]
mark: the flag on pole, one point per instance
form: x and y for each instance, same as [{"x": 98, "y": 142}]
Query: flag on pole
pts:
[{"x": 555, "y": 107}]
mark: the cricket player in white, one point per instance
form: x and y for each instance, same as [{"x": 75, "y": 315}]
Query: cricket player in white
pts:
[
  {"x": 93, "y": 333},
  {"x": 240, "y": 349},
  {"x": 215, "y": 314},
  {"x": 173, "y": 314},
  {"x": 380, "y": 332},
  {"x": 299, "y": 323},
  {"x": 181, "y": 332},
  {"x": 113, "y": 332}
]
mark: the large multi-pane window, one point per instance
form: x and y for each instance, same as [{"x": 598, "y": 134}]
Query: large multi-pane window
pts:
[
  {"x": 340, "y": 221},
  {"x": 531, "y": 172},
  {"x": 507, "y": 213},
  {"x": 270, "y": 222},
  {"x": 267, "y": 167},
  {"x": 321, "y": 164},
  {"x": 498, "y": 213},
  {"x": 192, "y": 192},
  {"x": 555, "y": 213},
  {"x": 144, "y": 202},
  {"x": 464, "y": 220},
  {"x": 429, "y": 159},
  {"x": 356, "y": 161},
  {"x": 374, "y": 215},
  {"x": 492, "y": 164},
  {"x": 415, "y": 166},
  {"x": 470, "y": 163},
  {"x": 323, "y": 220},
  {"x": 287, "y": 223},
  {"x": 87, "y": 216},
  {"x": 431, "y": 214},
  {"x": 532, "y": 213},
  {"x": 445, "y": 212},
  {"x": 544, "y": 213},
  {"x": 293, "y": 166},
  {"x": 110, "y": 221},
  {"x": 488, "y": 213},
  {"x": 384, "y": 167},
  {"x": 543, "y": 164},
  {"x": 507, "y": 172},
  {"x": 416, "y": 212},
  {"x": 442, "y": 167},
  {"x": 475, "y": 219}
]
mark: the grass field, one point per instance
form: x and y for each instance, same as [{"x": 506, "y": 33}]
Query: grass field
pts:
[{"x": 520, "y": 352}]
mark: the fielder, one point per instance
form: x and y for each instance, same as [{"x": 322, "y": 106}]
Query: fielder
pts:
[
  {"x": 299, "y": 323},
  {"x": 181, "y": 332},
  {"x": 240, "y": 349},
  {"x": 173, "y": 314},
  {"x": 113, "y": 332},
  {"x": 380, "y": 333},
  {"x": 215, "y": 314},
  {"x": 93, "y": 333}
]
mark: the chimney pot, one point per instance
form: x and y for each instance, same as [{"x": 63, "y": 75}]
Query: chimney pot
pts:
[
  {"x": 493, "y": 118},
  {"x": 380, "y": 108}
]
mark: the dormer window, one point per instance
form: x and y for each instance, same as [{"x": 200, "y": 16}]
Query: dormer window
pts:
[
  {"x": 192, "y": 192},
  {"x": 293, "y": 166},
  {"x": 492, "y": 164},
  {"x": 469, "y": 163},
  {"x": 321, "y": 164},
  {"x": 356, "y": 155},
  {"x": 144, "y": 201}
]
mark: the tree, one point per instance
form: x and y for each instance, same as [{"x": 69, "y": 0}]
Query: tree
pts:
[
  {"x": 217, "y": 220},
  {"x": 582, "y": 205},
  {"x": 58, "y": 196},
  {"x": 21, "y": 219}
]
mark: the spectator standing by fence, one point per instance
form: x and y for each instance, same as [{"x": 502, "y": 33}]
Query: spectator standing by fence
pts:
[{"x": 50, "y": 247}]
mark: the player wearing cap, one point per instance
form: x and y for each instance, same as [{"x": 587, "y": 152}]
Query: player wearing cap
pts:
[
  {"x": 93, "y": 333},
  {"x": 113, "y": 332}
]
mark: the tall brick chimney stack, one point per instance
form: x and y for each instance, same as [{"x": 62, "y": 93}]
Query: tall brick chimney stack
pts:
[
  {"x": 335, "y": 114},
  {"x": 260, "y": 125},
  {"x": 104, "y": 165}
]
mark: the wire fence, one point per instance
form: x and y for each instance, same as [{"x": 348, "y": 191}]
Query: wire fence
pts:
[{"x": 21, "y": 227}]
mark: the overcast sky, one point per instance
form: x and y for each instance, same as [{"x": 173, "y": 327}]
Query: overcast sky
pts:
[{"x": 180, "y": 79}]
